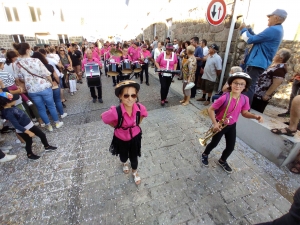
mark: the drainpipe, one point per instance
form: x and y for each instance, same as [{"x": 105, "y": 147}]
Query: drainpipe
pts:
[{"x": 233, "y": 21}]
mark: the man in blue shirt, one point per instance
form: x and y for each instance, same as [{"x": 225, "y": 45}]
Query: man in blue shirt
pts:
[
  {"x": 265, "y": 46},
  {"x": 199, "y": 55}
]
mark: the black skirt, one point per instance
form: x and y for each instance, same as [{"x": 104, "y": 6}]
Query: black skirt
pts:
[{"x": 133, "y": 146}]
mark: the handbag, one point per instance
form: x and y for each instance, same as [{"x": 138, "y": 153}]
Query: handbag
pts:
[
  {"x": 35, "y": 74},
  {"x": 189, "y": 85}
]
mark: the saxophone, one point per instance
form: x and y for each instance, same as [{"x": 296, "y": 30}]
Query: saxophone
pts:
[{"x": 210, "y": 133}]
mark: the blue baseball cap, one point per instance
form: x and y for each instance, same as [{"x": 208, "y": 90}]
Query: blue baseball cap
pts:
[{"x": 279, "y": 12}]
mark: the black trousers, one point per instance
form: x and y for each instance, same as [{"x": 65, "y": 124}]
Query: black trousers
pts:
[
  {"x": 292, "y": 217},
  {"x": 2, "y": 155},
  {"x": 258, "y": 104},
  {"x": 165, "y": 83},
  {"x": 93, "y": 92},
  {"x": 116, "y": 79},
  {"x": 254, "y": 72},
  {"x": 144, "y": 69},
  {"x": 124, "y": 155},
  {"x": 28, "y": 139},
  {"x": 230, "y": 137},
  {"x": 197, "y": 76}
]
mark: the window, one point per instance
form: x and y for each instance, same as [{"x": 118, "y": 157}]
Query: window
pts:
[
  {"x": 35, "y": 14},
  {"x": 18, "y": 38},
  {"x": 11, "y": 14},
  {"x": 42, "y": 41},
  {"x": 63, "y": 39},
  {"x": 62, "y": 16}
]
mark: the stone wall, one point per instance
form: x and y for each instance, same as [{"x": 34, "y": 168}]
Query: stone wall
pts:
[
  {"x": 161, "y": 32},
  {"x": 6, "y": 41},
  {"x": 31, "y": 41},
  {"x": 75, "y": 39},
  {"x": 53, "y": 42}
]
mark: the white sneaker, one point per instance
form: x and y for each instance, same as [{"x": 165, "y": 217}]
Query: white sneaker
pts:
[
  {"x": 43, "y": 125},
  {"x": 72, "y": 93},
  {"x": 34, "y": 120},
  {"x": 64, "y": 115},
  {"x": 59, "y": 124},
  {"x": 8, "y": 158},
  {"x": 50, "y": 128},
  {"x": 29, "y": 103},
  {"x": 5, "y": 149},
  {"x": 36, "y": 123}
]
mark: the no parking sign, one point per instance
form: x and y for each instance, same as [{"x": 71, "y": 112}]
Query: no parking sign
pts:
[{"x": 216, "y": 12}]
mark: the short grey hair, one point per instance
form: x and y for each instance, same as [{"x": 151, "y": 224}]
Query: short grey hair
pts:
[
  {"x": 285, "y": 54},
  {"x": 190, "y": 49},
  {"x": 236, "y": 69}
]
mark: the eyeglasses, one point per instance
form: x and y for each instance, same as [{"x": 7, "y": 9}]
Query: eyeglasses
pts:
[
  {"x": 61, "y": 50},
  {"x": 132, "y": 96},
  {"x": 239, "y": 84}
]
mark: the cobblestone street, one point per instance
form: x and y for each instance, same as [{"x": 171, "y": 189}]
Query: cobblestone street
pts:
[{"x": 83, "y": 184}]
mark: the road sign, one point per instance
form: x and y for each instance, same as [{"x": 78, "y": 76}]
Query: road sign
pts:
[{"x": 216, "y": 12}]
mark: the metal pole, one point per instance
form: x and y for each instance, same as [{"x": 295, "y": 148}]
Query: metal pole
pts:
[{"x": 233, "y": 20}]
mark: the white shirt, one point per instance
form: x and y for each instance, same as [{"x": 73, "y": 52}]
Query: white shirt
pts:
[
  {"x": 205, "y": 51},
  {"x": 53, "y": 63},
  {"x": 175, "y": 46},
  {"x": 157, "y": 53},
  {"x": 54, "y": 57},
  {"x": 9, "y": 68}
]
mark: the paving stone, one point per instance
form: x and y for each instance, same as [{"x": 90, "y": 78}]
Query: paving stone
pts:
[
  {"x": 265, "y": 214},
  {"x": 255, "y": 201},
  {"x": 175, "y": 216},
  {"x": 205, "y": 220},
  {"x": 239, "y": 208}
]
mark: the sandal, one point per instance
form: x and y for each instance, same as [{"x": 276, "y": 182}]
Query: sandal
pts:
[
  {"x": 125, "y": 168},
  {"x": 288, "y": 131},
  {"x": 296, "y": 168},
  {"x": 136, "y": 177}
]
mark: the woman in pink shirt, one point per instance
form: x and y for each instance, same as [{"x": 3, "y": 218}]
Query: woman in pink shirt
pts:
[
  {"x": 166, "y": 60},
  {"x": 144, "y": 59},
  {"x": 127, "y": 135}
]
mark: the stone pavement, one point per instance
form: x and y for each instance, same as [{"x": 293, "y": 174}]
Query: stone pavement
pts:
[{"x": 81, "y": 183}]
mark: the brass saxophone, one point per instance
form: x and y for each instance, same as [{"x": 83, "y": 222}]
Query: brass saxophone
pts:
[{"x": 210, "y": 133}]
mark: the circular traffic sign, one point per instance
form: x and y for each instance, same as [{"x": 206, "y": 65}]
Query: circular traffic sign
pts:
[{"x": 216, "y": 12}]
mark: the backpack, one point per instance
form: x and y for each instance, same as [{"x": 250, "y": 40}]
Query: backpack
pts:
[
  {"x": 217, "y": 111},
  {"x": 120, "y": 116}
]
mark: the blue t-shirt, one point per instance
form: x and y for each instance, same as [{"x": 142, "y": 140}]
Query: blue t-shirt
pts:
[{"x": 198, "y": 53}]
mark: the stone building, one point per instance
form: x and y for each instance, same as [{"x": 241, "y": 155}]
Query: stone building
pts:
[{"x": 186, "y": 20}]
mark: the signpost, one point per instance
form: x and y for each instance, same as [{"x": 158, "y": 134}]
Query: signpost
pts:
[{"x": 216, "y": 12}]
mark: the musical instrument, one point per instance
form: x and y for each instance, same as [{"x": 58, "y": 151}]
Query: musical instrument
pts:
[
  {"x": 92, "y": 72},
  {"x": 137, "y": 67},
  {"x": 112, "y": 69},
  {"x": 166, "y": 71},
  {"x": 126, "y": 67},
  {"x": 115, "y": 52},
  {"x": 210, "y": 133}
]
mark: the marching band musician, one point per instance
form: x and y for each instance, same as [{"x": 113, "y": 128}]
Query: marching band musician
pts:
[
  {"x": 225, "y": 111},
  {"x": 94, "y": 52},
  {"x": 91, "y": 59},
  {"x": 125, "y": 56},
  {"x": 104, "y": 52},
  {"x": 134, "y": 53},
  {"x": 166, "y": 60},
  {"x": 114, "y": 59},
  {"x": 145, "y": 57}
]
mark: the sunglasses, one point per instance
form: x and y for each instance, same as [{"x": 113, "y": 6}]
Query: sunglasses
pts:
[{"x": 127, "y": 96}]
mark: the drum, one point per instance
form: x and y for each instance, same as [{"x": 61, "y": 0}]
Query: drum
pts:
[
  {"x": 137, "y": 67},
  {"x": 126, "y": 67},
  {"x": 92, "y": 73},
  {"x": 112, "y": 69}
]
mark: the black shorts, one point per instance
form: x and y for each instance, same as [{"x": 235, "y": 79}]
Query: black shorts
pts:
[{"x": 207, "y": 86}]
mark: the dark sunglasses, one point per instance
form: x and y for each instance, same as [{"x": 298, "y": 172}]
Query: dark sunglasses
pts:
[
  {"x": 112, "y": 45},
  {"x": 132, "y": 96}
]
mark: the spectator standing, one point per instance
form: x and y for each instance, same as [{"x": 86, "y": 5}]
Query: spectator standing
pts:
[
  {"x": 265, "y": 46},
  {"x": 158, "y": 50},
  {"x": 76, "y": 57},
  {"x": 2, "y": 53},
  {"x": 212, "y": 69},
  {"x": 199, "y": 56}
]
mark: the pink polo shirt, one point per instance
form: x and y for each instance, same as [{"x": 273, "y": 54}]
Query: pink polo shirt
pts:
[
  {"x": 145, "y": 54},
  {"x": 135, "y": 53},
  {"x": 116, "y": 58},
  {"x": 103, "y": 51},
  {"x": 111, "y": 117},
  {"x": 126, "y": 57},
  {"x": 94, "y": 60},
  {"x": 95, "y": 55},
  {"x": 163, "y": 63}
]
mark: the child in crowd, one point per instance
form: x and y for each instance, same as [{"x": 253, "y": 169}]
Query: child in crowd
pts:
[
  {"x": 9, "y": 81},
  {"x": 228, "y": 108},
  {"x": 126, "y": 118},
  {"x": 72, "y": 80},
  {"x": 24, "y": 127}
]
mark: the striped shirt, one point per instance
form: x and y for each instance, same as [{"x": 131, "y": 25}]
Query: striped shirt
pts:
[{"x": 7, "y": 79}]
